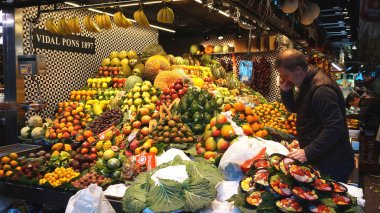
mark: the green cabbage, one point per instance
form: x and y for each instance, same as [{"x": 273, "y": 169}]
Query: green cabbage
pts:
[{"x": 195, "y": 193}]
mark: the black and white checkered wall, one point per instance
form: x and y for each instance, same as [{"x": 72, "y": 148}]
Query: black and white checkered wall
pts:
[{"x": 67, "y": 71}]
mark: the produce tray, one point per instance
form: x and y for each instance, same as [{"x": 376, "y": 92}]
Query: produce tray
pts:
[
  {"x": 20, "y": 149},
  {"x": 54, "y": 197}
]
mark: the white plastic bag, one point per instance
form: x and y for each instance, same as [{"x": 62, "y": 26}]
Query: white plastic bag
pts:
[
  {"x": 89, "y": 200},
  {"x": 243, "y": 150},
  {"x": 356, "y": 192},
  {"x": 170, "y": 155},
  {"x": 116, "y": 190},
  {"x": 226, "y": 189}
]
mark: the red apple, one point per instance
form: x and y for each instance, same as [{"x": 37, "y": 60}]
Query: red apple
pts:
[
  {"x": 84, "y": 151},
  {"x": 172, "y": 91},
  {"x": 178, "y": 86},
  {"x": 166, "y": 91},
  {"x": 94, "y": 150},
  {"x": 163, "y": 97},
  {"x": 86, "y": 144},
  {"x": 93, "y": 156},
  {"x": 174, "y": 96}
]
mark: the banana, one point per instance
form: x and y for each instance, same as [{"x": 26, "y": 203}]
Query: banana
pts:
[
  {"x": 140, "y": 18},
  {"x": 65, "y": 26},
  {"x": 86, "y": 24},
  {"x": 99, "y": 21},
  {"x": 107, "y": 21},
  {"x": 60, "y": 28},
  {"x": 77, "y": 25},
  {"x": 117, "y": 19},
  {"x": 51, "y": 26},
  {"x": 93, "y": 26},
  {"x": 71, "y": 25},
  {"x": 121, "y": 21}
]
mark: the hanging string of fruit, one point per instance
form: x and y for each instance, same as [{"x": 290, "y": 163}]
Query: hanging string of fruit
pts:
[
  {"x": 165, "y": 15},
  {"x": 140, "y": 17}
]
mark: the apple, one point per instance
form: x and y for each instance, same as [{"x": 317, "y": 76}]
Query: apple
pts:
[
  {"x": 84, "y": 151},
  {"x": 173, "y": 91},
  {"x": 93, "y": 156},
  {"x": 163, "y": 97},
  {"x": 166, "y": 91},
  {"x": 86, "y": 145},
  {"x": 178, "y": 86},
  {"x": 94, "y": 150},
  {"x": 178, "y": 81},
  {"x": 174, "y": 96}
]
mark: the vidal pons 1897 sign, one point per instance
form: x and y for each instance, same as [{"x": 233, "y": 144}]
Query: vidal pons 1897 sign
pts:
[{"x": 43, "y": 39}]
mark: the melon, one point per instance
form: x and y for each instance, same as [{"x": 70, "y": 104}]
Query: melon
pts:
[
  {"x": 194, "y": 48},
  {"x": 154, "y": 65},
  {"x": 113, "y": 163},
  {"x": 226, "y": 48},
  {"x": 132, "y": 54},
  {"x": 218, "y": 48},
  {"x": 178, "y": 60},
  {"x": 106, "y": 62},
  {"x": 131, "y": 81},
  {"x": 164, "y": 78}
]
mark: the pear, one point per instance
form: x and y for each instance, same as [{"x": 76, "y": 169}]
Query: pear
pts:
[
  {"x": 138, "y": 84},
  {"x": 104, "y": 85},
  {"x": 133, "y": 108},
  {"x": 136, "y": 95},
  {"x": 145, "y": 95},
  {"x": 145, "y": 88},
  {"x": 148, "y": 83},
  {"x": 154, "y": 99},
  {"x": 153, "y": 91},
  {"x": 147, "y": 100},
  {"x": 130, "y": 95},
  {"x": 136, "y": 89},
  {"x": 130, "y": 102},
  {"x": 137, "y": 102}
]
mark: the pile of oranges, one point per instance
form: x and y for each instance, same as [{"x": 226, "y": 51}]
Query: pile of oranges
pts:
[
  {"x": 70, "y": 121},
  {"x": 84, "y": 95},
  {"x": 273, "y": 115},
  {"x": 9, "y": 164},
  {"x": 59, "y": 176}
]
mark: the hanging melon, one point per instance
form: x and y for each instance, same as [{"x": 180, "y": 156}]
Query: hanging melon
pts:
[
  {"x": 289, "y": 6},
  {"x": 154, "y": 65},
  {"x": 314, "y": 9}
]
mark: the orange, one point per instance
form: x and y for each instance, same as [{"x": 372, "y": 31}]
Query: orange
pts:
[
  {"x": 227, "y": 107},
  {"x": 249, "y": 118},
  {"x": 247, "y": 129},
  {"x": 241, "y": 116},
  {"x": 6, "y": 167},
  {"x": 13, "y": 156},
  {"x": 153, "y": 150},
  {"x": 255, "y": 127},
  {"x": 248, "y": 110},
  {"x": 259, "y": 134},
  {"x": 87, "y": 133},
  {"x": 14, "y": 163},
  {"x": 8, "y": 173},
  {"x": 1, "y": 173},
  {"x": 18, "y": 168},
  {"x": 239, "y": 106},
  {"x": 5, "y": 160}
]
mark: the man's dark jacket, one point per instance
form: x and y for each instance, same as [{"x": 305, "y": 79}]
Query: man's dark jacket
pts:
[{"x": 321, "y": 120}]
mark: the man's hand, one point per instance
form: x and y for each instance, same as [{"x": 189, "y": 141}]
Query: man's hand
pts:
[
  {"x": 298, "y": 155},
  {"x": 285, "y": 85}
]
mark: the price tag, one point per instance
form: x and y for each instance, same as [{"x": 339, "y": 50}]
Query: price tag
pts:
[
  {"x": 132, "y": 136},
  {"x": 103, "y": 135}
]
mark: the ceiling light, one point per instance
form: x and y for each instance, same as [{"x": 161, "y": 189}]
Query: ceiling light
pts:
[
  {"x": 354, "y": 47},
  {"x": 336, "y": 66},
  {"x": 220, "y": 37},
  {"x": 346, "y": 17},
  {"x": 224, "y": 13},
  {"x": 362, "y": 66}
]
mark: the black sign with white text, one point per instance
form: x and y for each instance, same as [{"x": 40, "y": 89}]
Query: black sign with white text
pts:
[{"x": 43, "y": 39}]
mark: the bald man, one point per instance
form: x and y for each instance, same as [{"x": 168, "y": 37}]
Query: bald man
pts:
[{"x": 321, "y": 116}]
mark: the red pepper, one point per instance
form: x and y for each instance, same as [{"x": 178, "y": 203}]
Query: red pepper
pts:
[{"x": 246, "y": 166}]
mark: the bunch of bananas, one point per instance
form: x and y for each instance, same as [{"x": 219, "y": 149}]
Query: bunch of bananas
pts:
[
  {"x": 121, "y": 21},
  {"x": 165, "y": 15},
  {"x": 51, "y": 26},
  {"x": 140, "y": 18},
  {"x": 89, "y": 25},
  {"x": 74, "y": 25},
  {"x": 103, "y": 21},
  {"x": 63, "y": 27}
]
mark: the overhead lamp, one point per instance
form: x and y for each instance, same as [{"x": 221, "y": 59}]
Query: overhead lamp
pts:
[
  {"x": 346, "y": 17},
  {"x": 336, "y": 66},
  {"x": 354, "y": 47},
  {"x": 361, "y": 66},
  {"x": 110, "y": 14},
  {"x": 220, "y": 37}
]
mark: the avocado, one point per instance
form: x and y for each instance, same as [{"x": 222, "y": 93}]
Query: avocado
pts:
[
  {"x": 197, "y": 117},
  {"x": 194, "y": 107}
]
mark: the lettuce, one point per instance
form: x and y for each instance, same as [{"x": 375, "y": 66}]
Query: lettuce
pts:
[{"x": 195, "y": 193}]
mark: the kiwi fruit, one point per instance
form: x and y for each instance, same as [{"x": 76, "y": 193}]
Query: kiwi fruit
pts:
[
  {"x": 166, "y": 128},
  {"x": 176, "y": 118},
  {"x": 171, "y": 123},
  {"x": 175, "y": 129},
  {"x": 167, "y": 140},
  {"x": 184, "y": 140},
  {"x": 166, "y": 134},
  {"x": 184, "y": 129},
  {"x": 160, "y": 128},
  {"x": 32, "y": 155},
  {"x": 177, "y": 140}
]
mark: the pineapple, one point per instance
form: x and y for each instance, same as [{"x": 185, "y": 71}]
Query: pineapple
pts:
[
  {"x": 107, "y": 145},
  {"x": 99, "y": 145}
]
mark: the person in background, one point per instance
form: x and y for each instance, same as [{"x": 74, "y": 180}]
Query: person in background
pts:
[
  {"x": 321, "y": 116},
  {"x": 369, "y": 105},
  {"x": 372, "y": 84}
]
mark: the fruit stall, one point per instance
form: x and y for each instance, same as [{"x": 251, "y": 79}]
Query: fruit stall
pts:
[{"x": 112, "y": 109}]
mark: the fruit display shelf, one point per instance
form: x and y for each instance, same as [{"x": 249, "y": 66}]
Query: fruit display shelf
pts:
[{"x": 54, "y": 197}]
